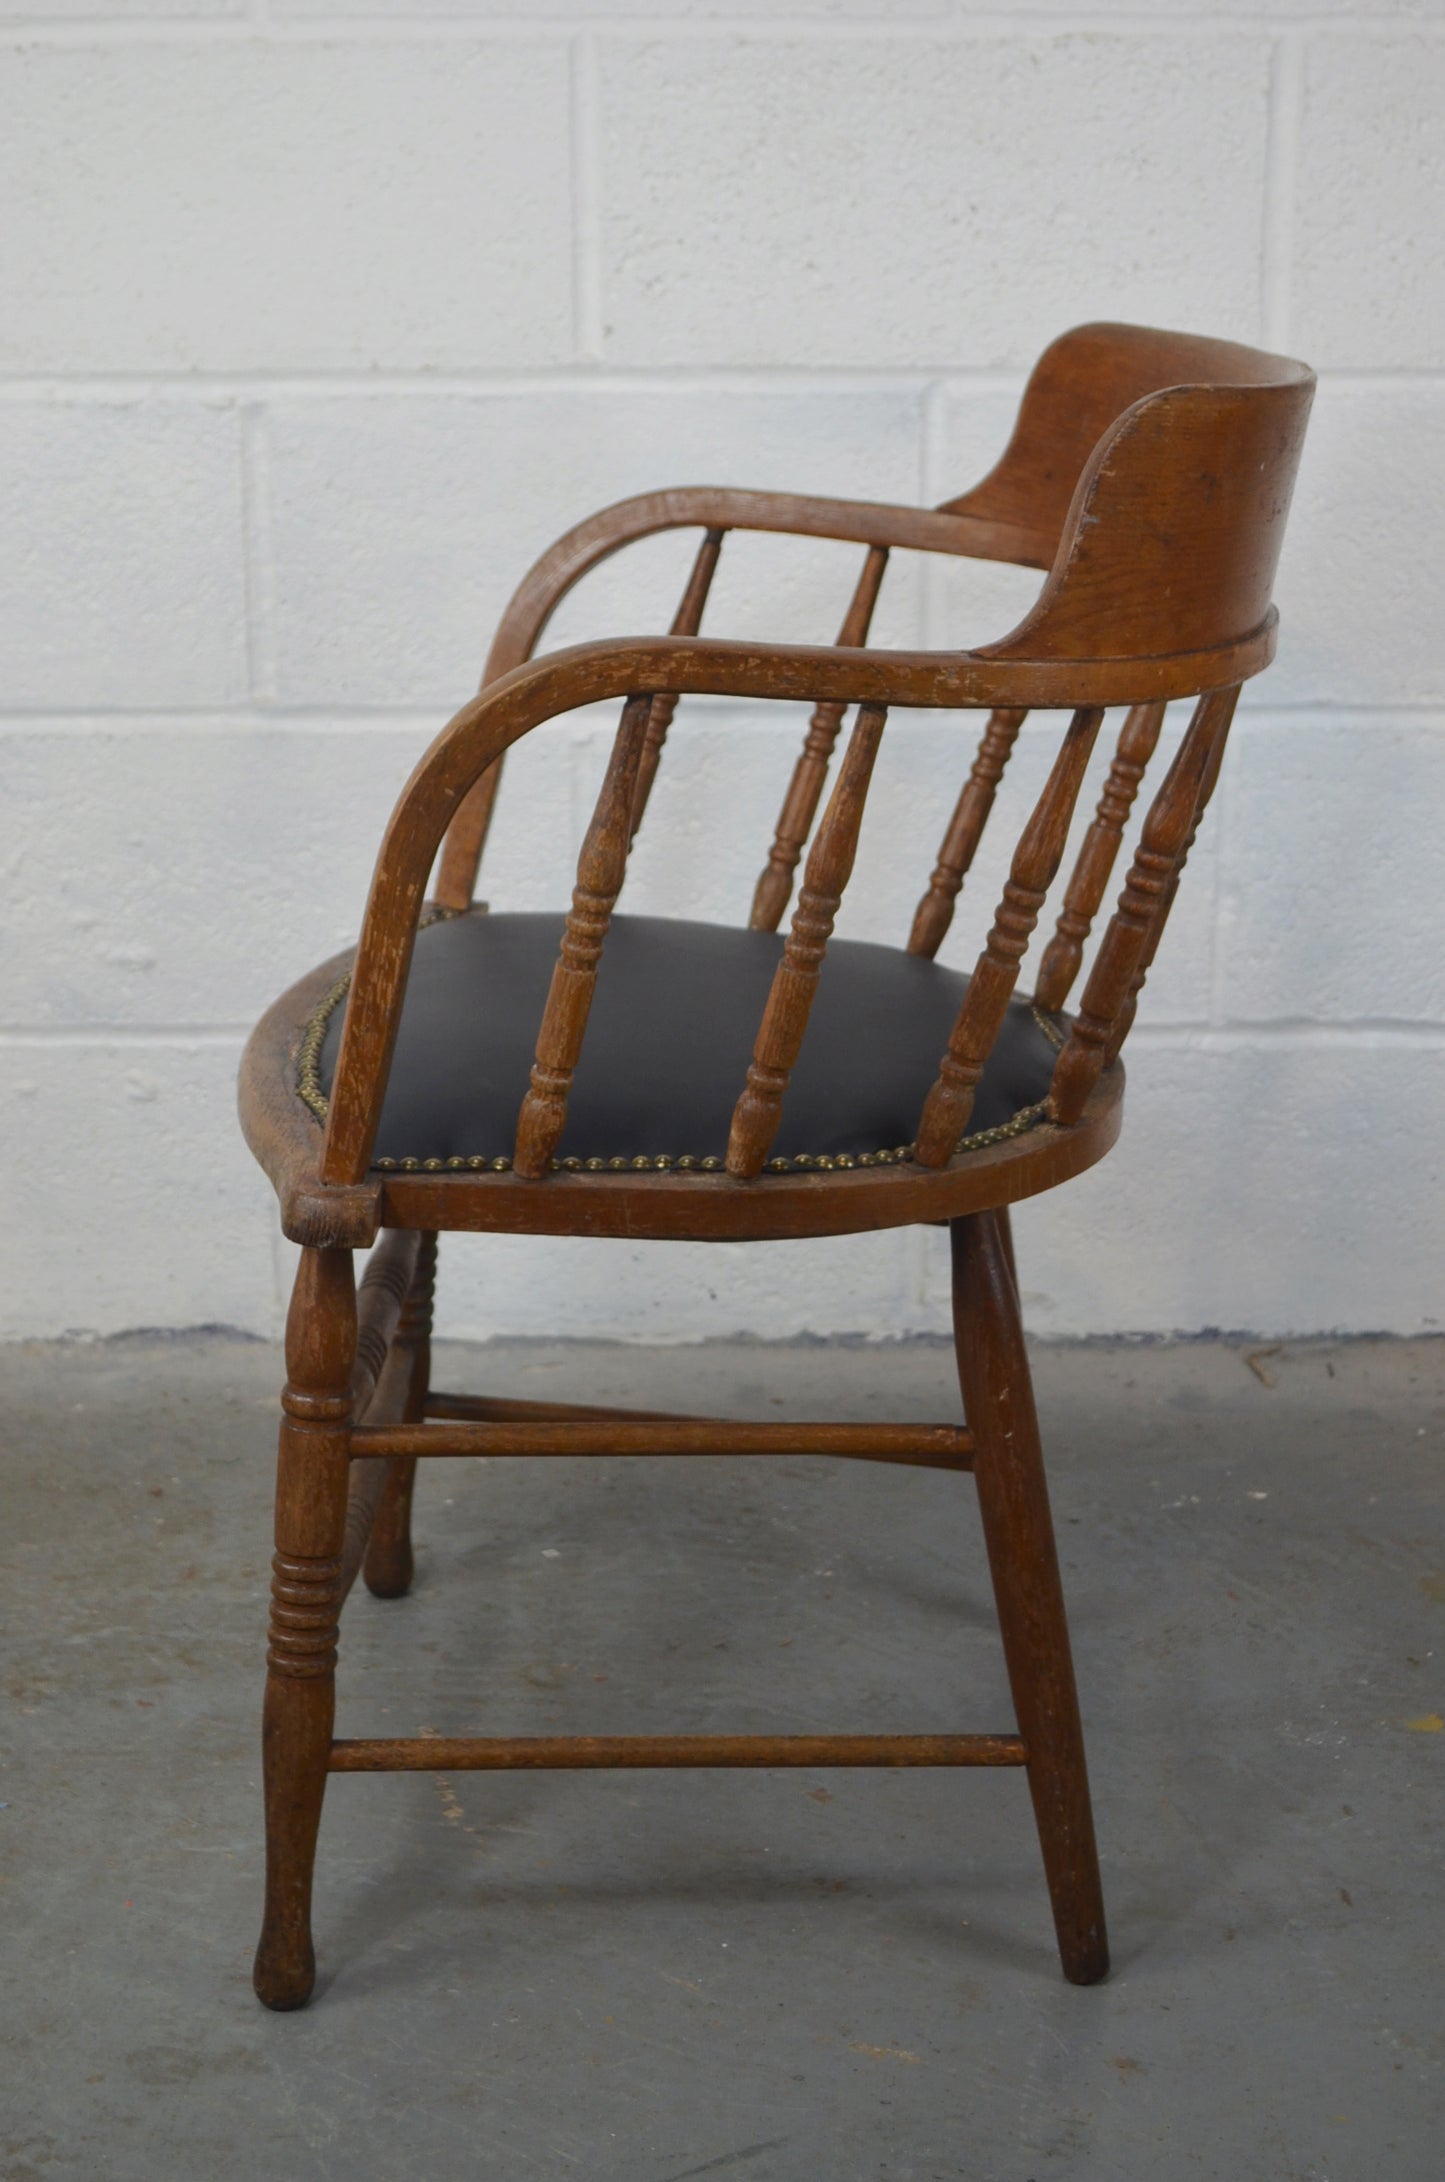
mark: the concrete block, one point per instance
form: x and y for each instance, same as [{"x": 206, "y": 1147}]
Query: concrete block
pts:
[
  {"x": 1368, "y": 517},
  {"x": 401, "y": 526},
  {"x": 179, "y": 875},
  {"x": 1370, "y": 203},
  {"x": 274, "y": 205},
  {"x": 124, "y": 554},
  {"x": 1333, "y": 849},
  {"x": 920, "y": 202}
]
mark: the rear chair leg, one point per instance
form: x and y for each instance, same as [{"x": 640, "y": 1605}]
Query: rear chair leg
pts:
[
  {"x": 389, "y": 1566},
  {"x": 1014, "y": 1503},
  {"x": 311, "y": 1490}
]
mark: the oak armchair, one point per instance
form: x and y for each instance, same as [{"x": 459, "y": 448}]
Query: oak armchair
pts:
[{"x": 599, "y": 1074}]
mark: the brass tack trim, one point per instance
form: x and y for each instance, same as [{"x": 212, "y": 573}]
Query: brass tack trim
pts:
[{"x": 311, "y": 1094}]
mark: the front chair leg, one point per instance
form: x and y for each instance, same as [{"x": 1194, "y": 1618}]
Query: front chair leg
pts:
[
  {"x": 389, "y": 1566},
  {"x": 306, "y": 1591},
  {"x": 1018, "y": 1531}
]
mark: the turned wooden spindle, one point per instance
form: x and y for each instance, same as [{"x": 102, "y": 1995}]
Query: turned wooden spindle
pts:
[
  {"x": 800, "y": 804},
  {"x": 785, "y": 1018},
  {"x": 1040, "y": 850},
  {"x": 388, "y": 1567},
  {"x": 1124, "y": 1021},
  {"x": 1168, "y": 828},
  {"x": 1065, "y": 951},
  {"x": 685, "y": 622},
  {"x": 306, "y": 1594},
  {"x": 601, "y": 868},
  {"x": 934, "y": 913}
]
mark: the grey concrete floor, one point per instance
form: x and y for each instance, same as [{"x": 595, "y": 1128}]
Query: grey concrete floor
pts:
[{"x": 773, "y": 1977}]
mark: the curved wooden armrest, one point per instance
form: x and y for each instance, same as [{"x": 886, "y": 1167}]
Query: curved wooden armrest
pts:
[
  {"x": 586, "y": 673},
  {"x": 715, "y": 509},
  {"x": 721, "y": 507}
]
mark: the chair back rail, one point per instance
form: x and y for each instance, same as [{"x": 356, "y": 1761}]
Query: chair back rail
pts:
[
  {"x": 934, "y": 913},
  {"x": 800, "y": 804},
  {"x": 1059, "y": 965},
  {"x": 1036, "y": 860},
  {"x": 1134, "y": 930}
]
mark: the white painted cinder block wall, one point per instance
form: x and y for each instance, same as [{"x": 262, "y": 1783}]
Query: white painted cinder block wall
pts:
[{"x": 321, "y": 317}]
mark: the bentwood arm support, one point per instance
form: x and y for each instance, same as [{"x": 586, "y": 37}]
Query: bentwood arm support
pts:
[
  {"x": 715, "y": 510},
  {"x": 716, "y": 507}
]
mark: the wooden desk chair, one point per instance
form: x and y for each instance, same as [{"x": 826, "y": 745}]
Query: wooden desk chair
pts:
[{"x": 592, "y": 1076}]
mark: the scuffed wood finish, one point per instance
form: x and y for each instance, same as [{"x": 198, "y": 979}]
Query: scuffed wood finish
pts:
[
  {"x": 671, "y": 1206},
  {"x": 380, "y": 1298},
  {"x": 600, "y": 871},
  {"x": 1065, "y": 951},
  {"x": 312, "y": 1483},
  {"x": 800, "y": 804},
  {"x": 934, "y": 913},
  {"x": 686, "y": 622},
  {"x": 380, "y": 1379},
  {"x": 1144, "y": 903},
  {"x": 929, "y": 1446},
  {"x": 1013, "y": 1501},
  {"x": 785, "y": 1018},
  {"x": 1074, "y": 413},
  {"x": 571, "y": 1753},
  {"x": 1123, "y": 1022},
  {"x": 1148, "y": 475},
  {"x": 709, "y": 507},
  {"x": 371, "y": 1479},
  {"x": 388, "y": 1562},
  {"x": 949, "y": 1104},
  {"x": 674, "y": 1207},
  {"x": 565, "y": 680}
]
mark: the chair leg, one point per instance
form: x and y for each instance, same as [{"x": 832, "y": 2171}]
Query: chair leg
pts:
[
  {"x": 389, "y": 1566},
  {"x": 311, "y": 1490},
  {"x": 1018, "y": 1531}
]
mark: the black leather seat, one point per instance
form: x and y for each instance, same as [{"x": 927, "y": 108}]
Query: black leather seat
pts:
[{"x": 674, "y": 1016}]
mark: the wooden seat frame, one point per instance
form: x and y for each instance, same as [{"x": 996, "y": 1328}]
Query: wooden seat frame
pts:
[{"x": 1149, "y": 475}]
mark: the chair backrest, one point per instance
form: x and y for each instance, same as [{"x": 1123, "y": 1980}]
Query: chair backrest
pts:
[
  {"x": 1078, "y": 390},
  {"x": 1150, "y": 474}
]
